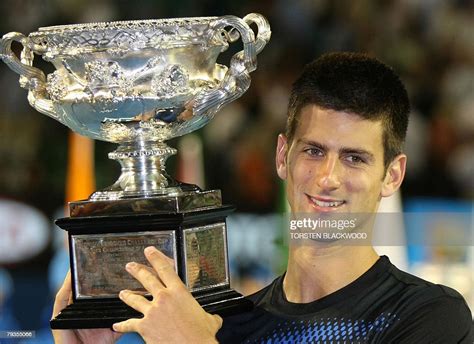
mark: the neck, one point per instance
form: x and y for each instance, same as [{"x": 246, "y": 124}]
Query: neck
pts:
[{"x": 314, "y": 272}]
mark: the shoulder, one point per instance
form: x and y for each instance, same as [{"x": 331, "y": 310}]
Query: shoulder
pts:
[
  {"x": 420, "y": 291},
  {"x": 429, "y": 313},
  {"x": 439, "y": 316}
]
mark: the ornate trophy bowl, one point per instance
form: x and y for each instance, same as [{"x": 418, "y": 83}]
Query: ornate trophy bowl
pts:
[{"x": 138, "y": 84}]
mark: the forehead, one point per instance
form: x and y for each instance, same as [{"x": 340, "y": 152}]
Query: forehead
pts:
[{"x": 338, "y": 128}]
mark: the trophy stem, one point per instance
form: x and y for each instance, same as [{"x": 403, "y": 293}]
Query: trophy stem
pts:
[{"x": 143, "y": 172}]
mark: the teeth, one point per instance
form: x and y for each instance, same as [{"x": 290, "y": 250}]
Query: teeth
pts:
[{"x": 326, "y": 204}]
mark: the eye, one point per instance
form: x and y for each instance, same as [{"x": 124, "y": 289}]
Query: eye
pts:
[
  {"x": 354, "y": 159},
  {"x": 314, "y": 152}
]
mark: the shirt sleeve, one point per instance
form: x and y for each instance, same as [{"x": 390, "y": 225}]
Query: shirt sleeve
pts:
[{"x": 443, "y": 320}]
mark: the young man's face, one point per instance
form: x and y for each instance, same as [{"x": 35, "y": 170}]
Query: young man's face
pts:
[{"x": 335, "y": 163}]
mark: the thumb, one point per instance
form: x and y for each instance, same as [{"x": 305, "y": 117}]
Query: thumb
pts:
[{"x": 64, "y": 296}]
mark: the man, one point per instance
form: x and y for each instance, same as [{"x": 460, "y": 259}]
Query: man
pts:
[{"x": 342, "y": 152}]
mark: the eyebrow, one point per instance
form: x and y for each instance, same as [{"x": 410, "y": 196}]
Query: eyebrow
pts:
[{"x": 344, "y": 150}]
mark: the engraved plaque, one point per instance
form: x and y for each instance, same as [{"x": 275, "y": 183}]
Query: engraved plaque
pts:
[
  {"x": 99, "y": 260},
  {"x": 206, "y": 260}
]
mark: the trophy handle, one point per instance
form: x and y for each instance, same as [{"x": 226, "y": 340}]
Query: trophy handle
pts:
[
  {"x": 31, "y": 78},
  {"x": 237, "y": 80},
  {"x": 263, "y": 34}
]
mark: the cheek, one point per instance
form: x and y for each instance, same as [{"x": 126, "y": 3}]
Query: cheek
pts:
[
  {"x": 299, "y": 180},
  {"x": 365, "y": 186},
  {"x": 301, "y": 174},
  {"x": 356, "y": 183}
]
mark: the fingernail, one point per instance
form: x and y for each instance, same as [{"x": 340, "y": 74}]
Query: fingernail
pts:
[
  {"x": 115, "y": 327},
  {"x": 123, "y": 293},
  {"x": 130, "y": 265},
  {"x": 150, "y": 249}
]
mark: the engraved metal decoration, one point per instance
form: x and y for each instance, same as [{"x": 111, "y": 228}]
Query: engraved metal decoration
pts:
[
  {"x": 205, "y": 259},
  {"x": 138, "y": 84},
  {"x": 99, "y": 260}
]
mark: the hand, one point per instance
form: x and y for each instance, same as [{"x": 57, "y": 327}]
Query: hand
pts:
[
  {"x": 95, "y": 336},
  {"x": 173, "y": 316}
]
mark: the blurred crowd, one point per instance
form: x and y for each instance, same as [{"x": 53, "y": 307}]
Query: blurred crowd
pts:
[{"x": 428, "y": 42}]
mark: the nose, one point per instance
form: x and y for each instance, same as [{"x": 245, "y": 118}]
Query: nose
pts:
[{"x": 328, "y": 178}]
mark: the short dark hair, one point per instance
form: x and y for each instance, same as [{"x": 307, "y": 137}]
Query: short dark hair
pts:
[{"x": 356, "y": 83}]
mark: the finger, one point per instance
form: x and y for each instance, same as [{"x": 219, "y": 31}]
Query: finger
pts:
[
  {"x": 130, "y": 325},
  {"x": 161, "y": 264},
  {"x": 64, "y": 296},
  {"x": 145, "y": 276},
  {"x": 135, "y": 301}
]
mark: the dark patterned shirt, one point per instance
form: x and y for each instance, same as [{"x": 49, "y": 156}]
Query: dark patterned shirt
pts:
[{"x": 384, "y": 305}]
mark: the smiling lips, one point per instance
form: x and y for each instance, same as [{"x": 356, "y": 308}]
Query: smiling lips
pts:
[{"x": 325, "y": 204}]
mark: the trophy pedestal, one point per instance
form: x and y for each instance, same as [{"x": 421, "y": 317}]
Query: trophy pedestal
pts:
[
  {"x": 101, "y": 245},
  {"x": 103, "y": 314}
]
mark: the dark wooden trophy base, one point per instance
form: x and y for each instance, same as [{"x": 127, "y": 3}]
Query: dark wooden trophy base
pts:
[
  {"x": 191, "y": 230},
  {"x": 103, "y": 314}
]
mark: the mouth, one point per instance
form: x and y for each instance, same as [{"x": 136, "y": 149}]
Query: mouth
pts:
[{"x": 325, "y": 204}]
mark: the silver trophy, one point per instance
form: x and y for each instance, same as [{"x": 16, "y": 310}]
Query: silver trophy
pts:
[{"x": 138, "y": 84}]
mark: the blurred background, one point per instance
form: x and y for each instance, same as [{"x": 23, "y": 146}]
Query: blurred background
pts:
[{"x": 428, "y": 43}]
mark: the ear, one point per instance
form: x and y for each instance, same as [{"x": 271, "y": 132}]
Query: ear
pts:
[
  {"x": 280, "y": 158},
  {"x": 394, "y": 175}
]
